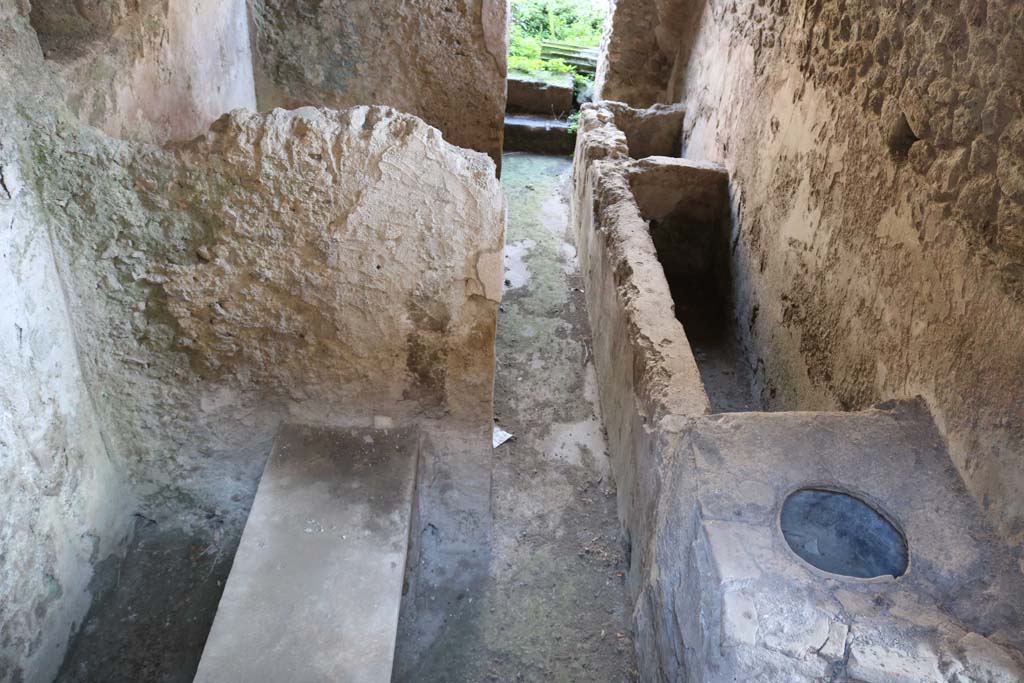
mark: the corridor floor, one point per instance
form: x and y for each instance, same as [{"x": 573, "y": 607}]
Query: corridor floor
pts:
[{"x": 554, "y": 607}]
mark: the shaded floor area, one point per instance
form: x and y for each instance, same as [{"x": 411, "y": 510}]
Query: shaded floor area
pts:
[
  {"x": 153, "y": 610},
  {"x": 554, "y": 605},
  {"x": 726, "y": 374}
]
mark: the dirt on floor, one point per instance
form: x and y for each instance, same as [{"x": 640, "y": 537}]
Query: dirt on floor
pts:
[
  {"x": 153, "y": 610},
  {"x": 553, "y": 609}
]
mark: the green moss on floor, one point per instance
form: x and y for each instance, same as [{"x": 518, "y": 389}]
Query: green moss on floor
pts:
[{"x": 553, "y": 609}]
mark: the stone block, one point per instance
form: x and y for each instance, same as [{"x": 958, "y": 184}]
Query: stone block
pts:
[
  {"x": 316, "y": 584},
  {"x": 550, "y": 95}
]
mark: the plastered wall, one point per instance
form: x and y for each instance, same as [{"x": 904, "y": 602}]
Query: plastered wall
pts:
[
  {"x": 442, "y": 60},
  {"x": 147, "y": 70},
  {"x": 165, "y": 308},
  {"x": 875, "y": 153},
  {"x": 64, "y": 503}
]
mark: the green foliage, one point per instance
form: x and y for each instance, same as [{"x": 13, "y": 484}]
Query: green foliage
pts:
[
  {"x": 520, "y": 44},
  {"x": 539, "y": 67},
  {"x": 580, "y": 22},
  {"x": 572, "y": 21}
]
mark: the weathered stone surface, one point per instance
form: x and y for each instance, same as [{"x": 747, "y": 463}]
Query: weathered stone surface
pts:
[
  {"x": 549, "y": 96},
  {"x": 874, "y": 154},
  {"x": 648, "y": 379},
  {"x": 64, "y": 504},
  {"x": 225, "y": 283},
  {"x": 149, "y": 71},
  {"x": 316, "y": 584},
  {"x": 747, "y": 608},
  {"x": 632, "y": 68},
  {"x": 373, "y": 298},
  {"x": 379, "y": 288},
  {"x": 719, "y": 594},
  {"x": 444, "y": 61},
  {"x": 169, "y": 307},
  {"x": 656, "y": 131},
  {"x": 876, "y": 663}
]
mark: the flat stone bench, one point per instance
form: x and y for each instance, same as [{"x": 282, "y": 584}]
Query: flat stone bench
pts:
[{"x": 316, "y": 584}]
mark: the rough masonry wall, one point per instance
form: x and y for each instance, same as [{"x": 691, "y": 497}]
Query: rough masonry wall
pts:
[
  {"x": 213, "y": 293},
  {"x": 442, "y": 60},
  {"x": 149, "y": 70},
  {"x": 876, "y": 154},
  {"x": 632, "y": 68},
  {"x": 208, "y": 294},
  {"x": 64, "y": 505}
]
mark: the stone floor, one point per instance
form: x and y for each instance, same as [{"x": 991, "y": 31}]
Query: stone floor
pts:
[{"x": 554, "y": 607}]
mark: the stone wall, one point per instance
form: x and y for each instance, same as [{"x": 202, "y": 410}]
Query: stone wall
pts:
[
  {"x": 648, "y": 379},
  {"x": 702, "y": 524},
  {"x": 151, "y": 71},
  {"x": 64, "y": 507},
  {"x": 208, "y": 284},
  {"x": 632, "y": 67},
  {"x": 875, "y": 155},
  {"x": 167, "y": 307},
  {"x": 442, "y": 60}
]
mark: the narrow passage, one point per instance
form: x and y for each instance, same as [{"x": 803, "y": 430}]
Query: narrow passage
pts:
[{"x": 554, "y": 607}]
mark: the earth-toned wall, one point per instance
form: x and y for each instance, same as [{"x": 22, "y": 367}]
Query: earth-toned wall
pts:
[
  {"x": 632, "y": 68},
  {"x": 168, "y": 307},
  {"x": 150, "y": 71},
  {"x": 442, "y": 60},
  {"x": 876, "y": 159}
]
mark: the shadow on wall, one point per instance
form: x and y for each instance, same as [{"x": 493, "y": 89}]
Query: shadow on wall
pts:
[
  {"x": 66, "y": 29},
  {"x": 153, "y": 73},
  {"x": 728, "y": 578},
  {"x": 343, "y": 53}
]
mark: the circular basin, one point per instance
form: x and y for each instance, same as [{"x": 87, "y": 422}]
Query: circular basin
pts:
[{"x": 841, "y": 534}]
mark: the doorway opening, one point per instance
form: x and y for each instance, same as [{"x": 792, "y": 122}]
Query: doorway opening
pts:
[{"x": 552, "y": 64}]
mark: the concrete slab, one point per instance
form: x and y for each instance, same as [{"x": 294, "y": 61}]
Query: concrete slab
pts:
[
  {"x": 748, "y": 608},
  {"x": 316, "y": 585}
]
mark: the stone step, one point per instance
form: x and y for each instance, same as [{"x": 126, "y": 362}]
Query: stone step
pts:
[
  {"x": 316, "y": 585},
  {"x": 549, "y": 95},
  {"x": 539, "y": 134}
]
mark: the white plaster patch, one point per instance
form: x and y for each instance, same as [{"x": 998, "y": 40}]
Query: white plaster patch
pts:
[
  {"x": 517, "y": 274},
  {"x": 590, "y": 388},
  {"x": 883, "y": 663},
  {"x": 739, "y": 619},
  {"x": 554, "y": 215},
  {"x": 732, "y": 548},
  {"x": 567, "y": 253}
]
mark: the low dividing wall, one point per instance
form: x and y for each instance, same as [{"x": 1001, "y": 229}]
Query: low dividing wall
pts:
[
  {"x": 717, "y": 594},
  {"x": 169, "y": 307},
  {"x": 648, "y": 379}
]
